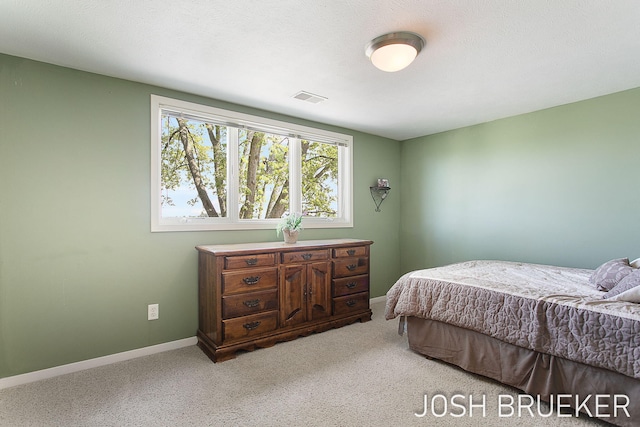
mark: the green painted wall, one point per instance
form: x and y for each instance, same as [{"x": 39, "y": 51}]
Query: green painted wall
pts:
[
  {"x": 557, "y": 186},
  {"x": 78, "y": 264}
]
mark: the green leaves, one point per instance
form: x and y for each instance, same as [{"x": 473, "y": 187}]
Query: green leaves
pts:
[
  {"x": 292, "y": 222},
  {"x": 194, "y": 174}
]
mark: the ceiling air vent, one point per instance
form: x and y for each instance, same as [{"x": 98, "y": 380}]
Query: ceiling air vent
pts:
[{"x": 309, "y": 97}]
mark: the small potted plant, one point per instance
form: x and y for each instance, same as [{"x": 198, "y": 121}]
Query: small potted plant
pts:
[{"x": 290, "y": 226}]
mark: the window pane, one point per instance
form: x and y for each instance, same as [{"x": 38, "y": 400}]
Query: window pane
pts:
[
  {"x": 263, "y": 174},
  {"x": 319, "y": 179},
  {"x": 194, "y": 168},
  {"x": 276, "y": 168}
]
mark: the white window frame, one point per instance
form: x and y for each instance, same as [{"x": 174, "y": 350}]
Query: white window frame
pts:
[{"x": 241, "y": 120}]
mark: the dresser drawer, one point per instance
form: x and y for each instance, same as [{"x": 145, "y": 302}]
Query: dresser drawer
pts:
[
  {"x": 248, "y": 326},
  {"x": 249, "y": 280},
  {"x": 350, "y": 252},
  {"x": 249, "y": 303},
  {"x": 249, "y": 261},
  {"x": 350, "y": 285},
  {"x": 351, "y": 303},
  {"x": 301, "y": 256},
  {"x": 350, "y": 267}
]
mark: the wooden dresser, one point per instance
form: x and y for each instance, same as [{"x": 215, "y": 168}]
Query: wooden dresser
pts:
[{"x": 255, "y": 294}]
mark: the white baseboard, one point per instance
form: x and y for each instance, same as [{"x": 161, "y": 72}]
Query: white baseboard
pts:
[
  {"x": 106, "y": 360},
  {"x": 94, "y": 363}
]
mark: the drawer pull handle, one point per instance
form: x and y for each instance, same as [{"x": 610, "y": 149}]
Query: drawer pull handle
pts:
[
  {"x": 351, "y": 267},
  {"x": 252, "y": 303},
  {"x": 351, "y": 252},
  {"x": 251, "y": 261},
  {"x": 351, "y": 303},
  {"x": 352, "y": 285},
  {"x": 252, "y": 280},
  {"x": 306, "y": 256},
  {"x": 251, "y": 326}
]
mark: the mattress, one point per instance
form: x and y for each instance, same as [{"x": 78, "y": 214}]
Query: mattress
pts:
[{"x": 547, "y": 309}]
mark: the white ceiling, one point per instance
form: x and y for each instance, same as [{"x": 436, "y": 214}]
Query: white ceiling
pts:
[{"x": 484, "y": 59}]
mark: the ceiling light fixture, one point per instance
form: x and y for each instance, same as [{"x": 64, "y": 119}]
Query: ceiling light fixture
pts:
[{"x": 394, "y": 51}]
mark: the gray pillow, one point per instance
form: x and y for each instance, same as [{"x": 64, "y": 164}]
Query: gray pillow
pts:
[
  {"x": 630, "y": 281},
  {"x": 610, "y": 273}
]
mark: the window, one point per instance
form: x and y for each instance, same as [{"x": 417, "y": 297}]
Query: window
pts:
[{"x": 215, "y": 169}]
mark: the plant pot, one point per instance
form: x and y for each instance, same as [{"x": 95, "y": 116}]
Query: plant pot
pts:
[{"x": 290, "y": 236}]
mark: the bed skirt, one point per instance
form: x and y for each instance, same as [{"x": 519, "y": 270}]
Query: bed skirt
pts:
[{"x": 534, "y": 373}]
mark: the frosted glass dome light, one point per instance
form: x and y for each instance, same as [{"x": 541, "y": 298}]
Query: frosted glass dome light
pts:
[{"x": 394, "y": 51}]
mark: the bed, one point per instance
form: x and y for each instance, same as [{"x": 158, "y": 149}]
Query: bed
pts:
[{"x": 545, "y": 330}]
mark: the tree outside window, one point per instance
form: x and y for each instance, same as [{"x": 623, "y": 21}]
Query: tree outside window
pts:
[{"x": 229, "y": 175}]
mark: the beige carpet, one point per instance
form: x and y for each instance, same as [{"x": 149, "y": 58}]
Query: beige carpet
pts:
[{"x": 359, "y": 375}]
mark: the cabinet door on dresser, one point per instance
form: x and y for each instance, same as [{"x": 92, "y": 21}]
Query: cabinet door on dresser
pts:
[
  {"x": 292, "y": 294},
  {"x": 305, "y": 293},
  {"x": 318, "y": 290}
]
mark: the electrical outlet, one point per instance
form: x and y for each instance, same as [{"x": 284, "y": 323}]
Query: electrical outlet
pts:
[{"x": 153, "y": 311}]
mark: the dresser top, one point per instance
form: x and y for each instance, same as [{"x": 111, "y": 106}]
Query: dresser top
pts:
[{"x": 279, "y": 246}]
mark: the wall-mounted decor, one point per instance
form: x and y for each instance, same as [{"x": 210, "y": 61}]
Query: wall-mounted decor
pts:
[{"x": 380, "y": 192}]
